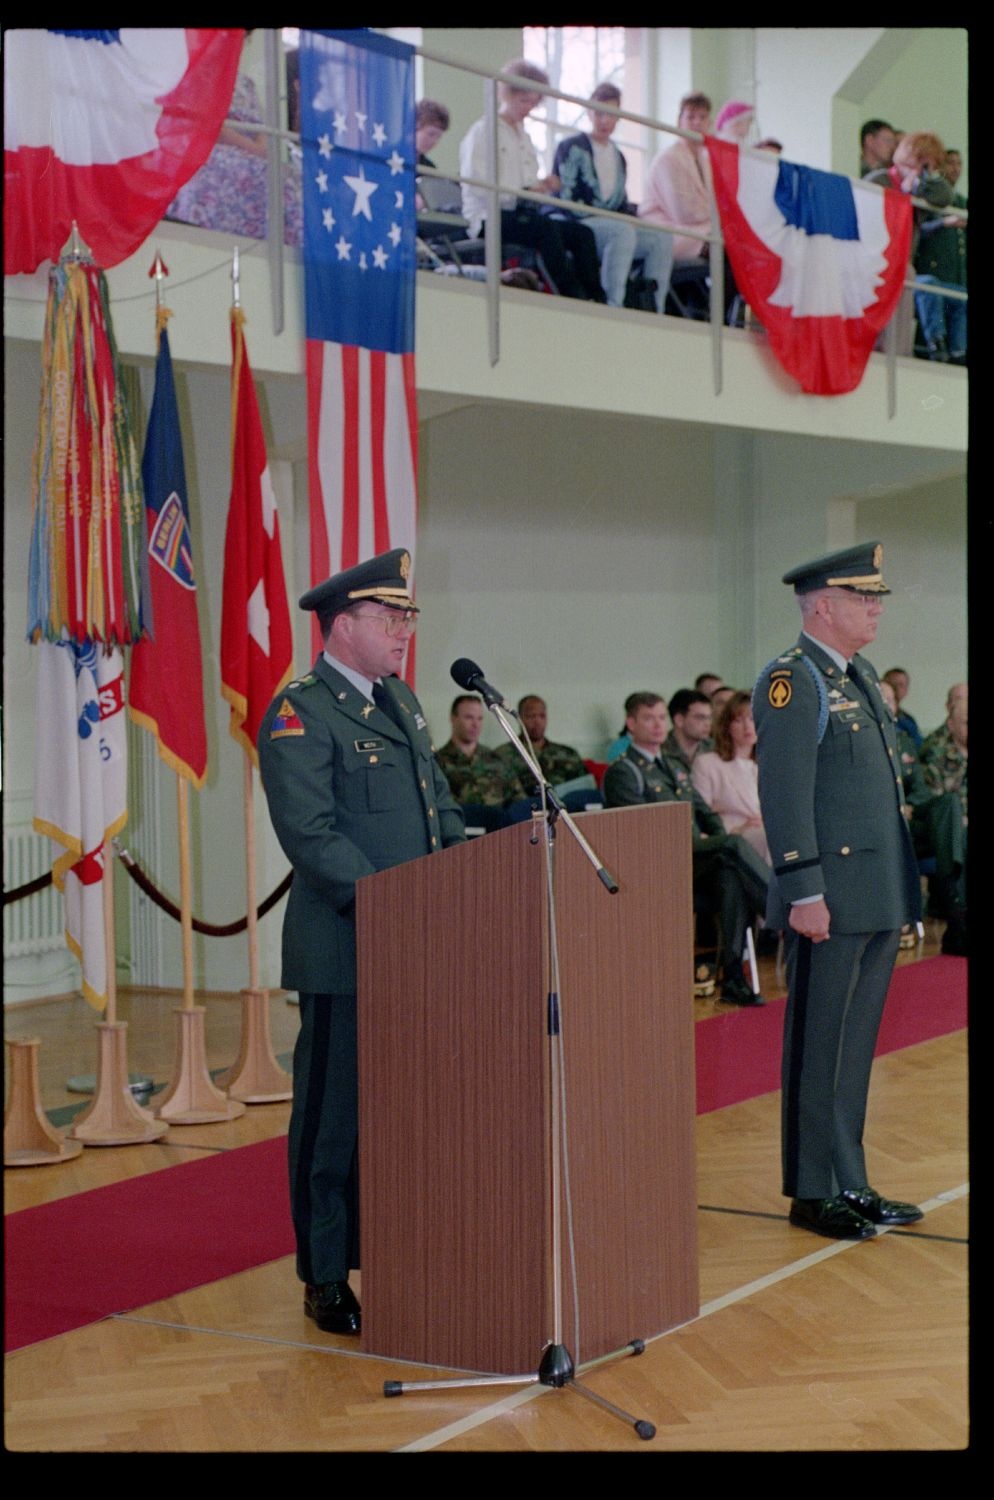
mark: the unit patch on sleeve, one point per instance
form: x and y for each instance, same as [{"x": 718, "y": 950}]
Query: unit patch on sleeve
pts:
[
  {"x": 780, "y": 693},
  {"x": 286, "y": 722}
]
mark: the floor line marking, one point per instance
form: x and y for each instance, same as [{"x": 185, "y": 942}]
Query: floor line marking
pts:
[{"x": 486, "y": 1414}]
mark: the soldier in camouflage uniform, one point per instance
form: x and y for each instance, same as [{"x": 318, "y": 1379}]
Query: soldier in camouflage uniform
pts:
[
  {"x": 943, "y": 760},
  {"x": 477, "y": 775},
  {"x": 559, "y": 763},
  {"x": 726, "y": 869}
]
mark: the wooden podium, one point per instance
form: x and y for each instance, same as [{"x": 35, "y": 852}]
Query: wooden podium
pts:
[{"x": 453, "y": 1103}]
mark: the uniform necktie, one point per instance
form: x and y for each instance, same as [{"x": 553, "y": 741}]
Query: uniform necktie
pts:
[{"x": 385, "y": 703}]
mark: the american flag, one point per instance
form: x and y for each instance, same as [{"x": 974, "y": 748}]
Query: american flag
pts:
[{"x": 357, "y": 132}]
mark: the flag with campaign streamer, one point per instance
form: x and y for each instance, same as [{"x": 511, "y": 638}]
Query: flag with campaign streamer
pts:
[
  {"x": 103, "y": 127},
  {"x": 820, "y": 259},
  {"x": 80, "y": 798},
  {"x": 166, "y": 688},
  {"x": 256, "y": 635},
  {"x": 357, "y": 134},
  {"x": 86, "y": 565}
]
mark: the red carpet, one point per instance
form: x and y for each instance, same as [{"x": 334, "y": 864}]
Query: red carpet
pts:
[
  {"x": 112, "y": 1249},
  {"x": 738, "y": 1055}
]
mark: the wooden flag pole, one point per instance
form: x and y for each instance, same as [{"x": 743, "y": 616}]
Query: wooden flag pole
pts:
[
  {"x": 255, "y": 1077},
  {"x": 113, "y": 1117},
  {"x": 191, "y": 1098},
  {"x": 28, "y": 1138}
]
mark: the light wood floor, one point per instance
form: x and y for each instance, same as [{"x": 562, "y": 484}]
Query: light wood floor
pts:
[{"x": 802, "y": 1344}]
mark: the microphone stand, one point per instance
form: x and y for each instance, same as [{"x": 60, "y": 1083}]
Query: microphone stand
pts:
[{"x": 557, "y": 1367}]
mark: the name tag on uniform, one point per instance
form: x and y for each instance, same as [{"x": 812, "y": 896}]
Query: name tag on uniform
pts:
[{"x": 367, "y": 745}]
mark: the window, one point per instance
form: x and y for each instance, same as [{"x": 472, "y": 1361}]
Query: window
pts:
[{"x": 577, "y": 58}]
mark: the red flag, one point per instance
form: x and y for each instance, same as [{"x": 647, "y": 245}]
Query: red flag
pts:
[
  {"x": 256, "y": 637},
  {"x": 166, "y": 692},
  {"x": 103, "y": 127}
]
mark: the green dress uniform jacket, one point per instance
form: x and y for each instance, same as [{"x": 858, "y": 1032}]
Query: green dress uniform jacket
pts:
[
  {"x": 832, "y": 810},
  {"x": 352, "y": 788},
  {"x": 350, "y": 791}
]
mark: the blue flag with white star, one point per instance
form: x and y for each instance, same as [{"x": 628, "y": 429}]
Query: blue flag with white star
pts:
[{"x": 357, "y": 135}]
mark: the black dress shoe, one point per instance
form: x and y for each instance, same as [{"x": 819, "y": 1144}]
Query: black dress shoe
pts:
[
  {"x": 881, "y": 1210},
  {"x": 738, "y": 991},
  {"x": 333, "y": 1307},
  {"x": 831, "y": 1217}
]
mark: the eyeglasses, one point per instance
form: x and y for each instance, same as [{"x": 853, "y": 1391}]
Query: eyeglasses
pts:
[{"x": 394, "y": 621}]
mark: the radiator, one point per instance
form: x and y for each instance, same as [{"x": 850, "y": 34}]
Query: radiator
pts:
[{"x": 34, "y": 924}]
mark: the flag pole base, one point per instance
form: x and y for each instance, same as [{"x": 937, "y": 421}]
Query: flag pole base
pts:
[
  {"x": 29, "y": 1140},
  {"x": 114, "y": 1117},
  {"x": 192, "y": 1098},
  {"x": 256, "y": 1077}
]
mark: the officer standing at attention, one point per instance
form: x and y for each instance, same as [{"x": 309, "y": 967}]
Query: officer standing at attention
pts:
[
  {"x": 844, "y": 882},
  {"x": 352, "y": 787}
]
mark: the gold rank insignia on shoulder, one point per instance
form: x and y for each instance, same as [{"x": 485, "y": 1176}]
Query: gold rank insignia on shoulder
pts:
[
  {"x": 286, "y": 724},
  {"x": 791, "y": 854},
  {"x": 780, "y": 693}
]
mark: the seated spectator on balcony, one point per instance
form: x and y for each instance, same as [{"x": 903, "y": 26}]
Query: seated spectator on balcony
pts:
[
  {"x": 736, "y": 122},
  {"x": 727, "y": 777},
  {"x": 431, "y": 121},
  {"x": 900, "y": 681},
  {"x": 477, "y": 775},
  {"x": 230, "y": 192},
  {"x": 559, "y": 763},
  {"x": 567, "y": 247},
  {"x": 941, "y": 261},
  {"x": 916, "y": 169},
  {"x": 592, "y": 170},
  {"x": 877, "y": 140},
  {"x": 678, "y": 189}
]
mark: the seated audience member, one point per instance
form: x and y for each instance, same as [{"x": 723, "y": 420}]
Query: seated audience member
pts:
[
  {"x": 230, "y": 192},
  {"x": 559, "y": 763},
  {"x": 708, "y": 683},
  {"x": 900, "y": 681},
  {"x": 719, "y": 697},
  {"x": 727, "y": 777},
  {"x": 877, "y": 140},
  {"x": 726, "y": 870},
  {"x": 941, "y": 261},
  {"x": 691, "y": 715},
  {"x": 475, "y": 773},
  {"x": 592, "y": 170},
  {"x": 431, "y": 121},
  {"x": 735, "y": 122},
  {"x": 566, "y": 246},
  {"x": 916, "y": 169},
  {"x": 678, "y": 189},
  {"x": 620, "y": 745},
  {"x": 944, "y": 768}
]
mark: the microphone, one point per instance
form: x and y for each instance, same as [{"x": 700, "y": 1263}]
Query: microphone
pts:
[{"x": 469, "y": 676}]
